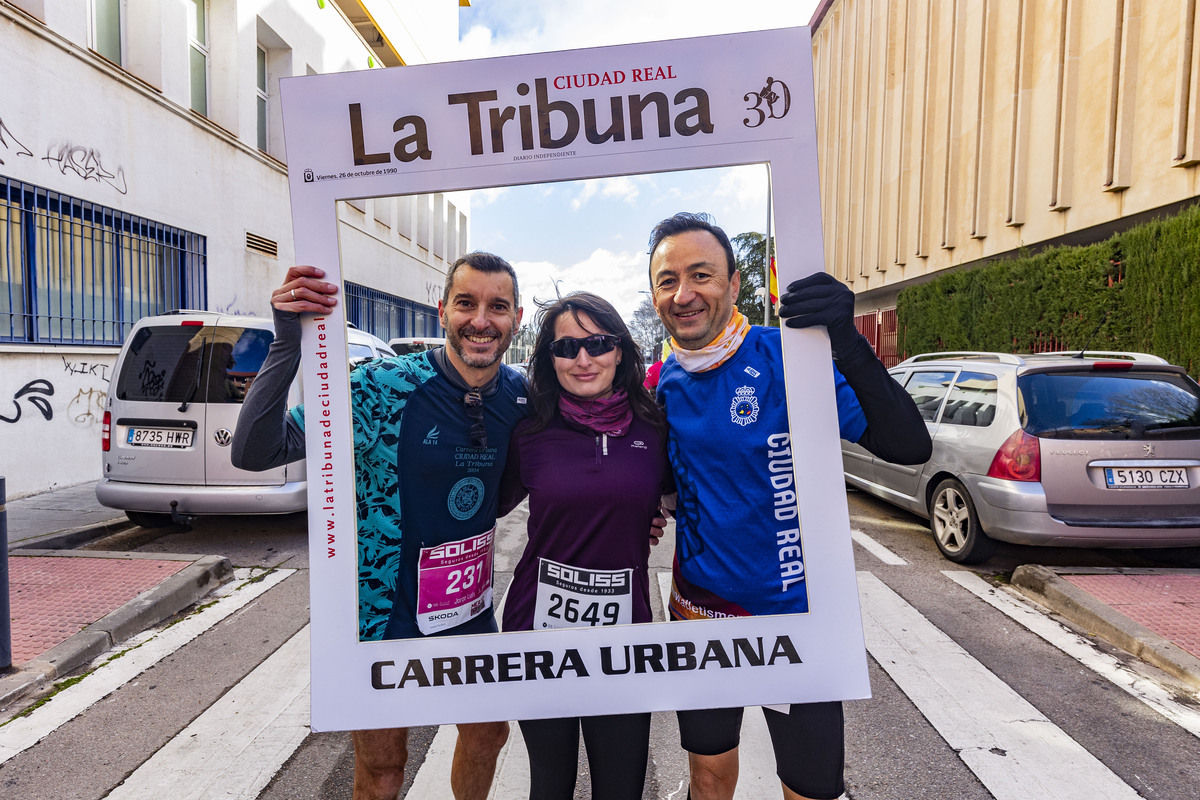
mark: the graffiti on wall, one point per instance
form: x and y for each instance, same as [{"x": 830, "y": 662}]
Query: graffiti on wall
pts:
[
  {"x": 85, "y": 162},
  {"x": 52, "y": 412},
  {"x": 34, "y": 393},
  {"x": 67, "y": 157},
  {"x": 87, "y": 406},
  {"x": 232, "y": 308},
  {"x": 84, "y": 409},
  {"x": 96, "y": 369},
  {"x": 9, "y": 143}
]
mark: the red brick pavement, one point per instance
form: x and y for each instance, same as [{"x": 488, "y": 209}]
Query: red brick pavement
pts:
[
  {"x": 1168, "y": 604},
  {"x": 52, "y": 597}
]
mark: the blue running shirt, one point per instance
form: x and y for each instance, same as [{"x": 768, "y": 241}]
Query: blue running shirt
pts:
[{"x": 737, "y": 546}]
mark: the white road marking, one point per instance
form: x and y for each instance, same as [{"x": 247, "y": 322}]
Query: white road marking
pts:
[
  {"x": 1014, "y": 750},
  {"x": 136, "y": 655},
  {"x": 512, "y": 768},
  {"x": 664, "y": 591},
  {"x": 1082, "y": 650},
  {"x": 876, "y": 549},
  {"x": 234, "y": 748},
  {"x": 756, "y": 758},
  {"x": 757, "y": 779}
]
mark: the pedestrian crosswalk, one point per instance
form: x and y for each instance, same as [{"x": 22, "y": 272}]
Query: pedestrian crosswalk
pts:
[
  {"x": 757, "y": 778},
  {"x": 134, "y": 658},
  {"x": 1014, "y": 750},
  {"x": 237, "y": 745}
]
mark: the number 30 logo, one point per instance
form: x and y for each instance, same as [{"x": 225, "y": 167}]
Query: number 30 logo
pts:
[{"x": 771, "y": 102}]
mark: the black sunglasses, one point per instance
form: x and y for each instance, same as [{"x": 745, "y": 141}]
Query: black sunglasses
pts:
[
  {"x": 473, "y": 401},
  {"x": 596, "y": 345}
]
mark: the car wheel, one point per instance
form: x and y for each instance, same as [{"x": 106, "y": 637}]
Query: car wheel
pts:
[
  {"x": 146, "y": 519},
  {"x": 955, "y": 525}
]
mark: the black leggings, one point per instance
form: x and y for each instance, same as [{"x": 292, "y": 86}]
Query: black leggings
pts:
[
  {"x": 809, "y": 745},
  {"x": 618, "y": 747}
]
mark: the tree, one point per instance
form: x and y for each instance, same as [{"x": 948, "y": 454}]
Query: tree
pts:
[
  {"x": 647, "y": 330},
  {"x": 521, "y": 349},
  {"x": 749, "y": 252}
]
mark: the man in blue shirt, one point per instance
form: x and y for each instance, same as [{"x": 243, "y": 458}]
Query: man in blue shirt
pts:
[{"x": 737, "y": 543}]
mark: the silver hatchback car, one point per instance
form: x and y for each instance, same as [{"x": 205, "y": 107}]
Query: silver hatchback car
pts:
[{"x": 1094, "y": 449}]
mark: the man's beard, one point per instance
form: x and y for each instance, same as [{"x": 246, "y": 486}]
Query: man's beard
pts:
[{"x": 454, "y": 339}]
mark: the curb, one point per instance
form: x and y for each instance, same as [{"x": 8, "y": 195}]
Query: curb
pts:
[
  {"x": 73, "y": 537},
  {"x": 1045, "y": 586},
  {"x": 151, "y": 607}
]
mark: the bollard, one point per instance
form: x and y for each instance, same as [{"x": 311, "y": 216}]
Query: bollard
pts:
[{"x": 5, "y": 615}]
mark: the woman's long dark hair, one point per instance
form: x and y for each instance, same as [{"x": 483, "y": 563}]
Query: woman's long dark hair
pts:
[{"x": 544, "y": 388}]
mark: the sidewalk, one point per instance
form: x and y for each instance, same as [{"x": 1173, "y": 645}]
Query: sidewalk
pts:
[
  {"x": 1153, "y": 614},
  {"x": 69, "y": 606}
]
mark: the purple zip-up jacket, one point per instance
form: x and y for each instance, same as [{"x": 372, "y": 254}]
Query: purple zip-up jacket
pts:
[{"x": 591, "y": 500}]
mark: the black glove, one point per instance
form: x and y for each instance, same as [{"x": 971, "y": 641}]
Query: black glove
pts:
[{"x": 821, "y": 299}]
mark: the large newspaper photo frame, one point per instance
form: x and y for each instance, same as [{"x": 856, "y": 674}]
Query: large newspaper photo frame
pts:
[{"x": 684, "y": 104}]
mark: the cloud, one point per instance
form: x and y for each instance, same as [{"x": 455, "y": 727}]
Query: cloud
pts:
[
  {"x": 743, "y": 186},
  {"x": 618, "y": 277},
  {"x": 624, "y": 189},
  {"x": 591, "y": 235},
  {"x": 506, "y": 27},
  {"x": 487, "y": 197}
]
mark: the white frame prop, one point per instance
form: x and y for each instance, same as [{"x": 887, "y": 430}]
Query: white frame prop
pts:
[{"x": 727, "y": 100}]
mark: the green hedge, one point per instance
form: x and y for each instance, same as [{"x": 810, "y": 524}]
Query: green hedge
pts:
[{"x": 1139, "y": 290}]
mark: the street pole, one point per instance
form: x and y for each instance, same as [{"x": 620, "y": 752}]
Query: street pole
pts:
[
  {"x": 767, "y": 256},
  {"x": 5, "y": 615}
]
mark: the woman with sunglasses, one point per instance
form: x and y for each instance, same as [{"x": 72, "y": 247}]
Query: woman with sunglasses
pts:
[{"x": 591, "y": 458}]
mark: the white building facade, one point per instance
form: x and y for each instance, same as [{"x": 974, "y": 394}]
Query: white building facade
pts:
[{"x": 141, "y": 170}]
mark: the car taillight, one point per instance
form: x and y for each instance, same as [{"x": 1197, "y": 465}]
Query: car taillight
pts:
[
  {"x": 1018, "y": 459},
  {"x": 106, "y": 432}
]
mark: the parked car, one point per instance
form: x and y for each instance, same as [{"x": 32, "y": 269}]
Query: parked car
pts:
[
  {"x": 173, "y": 403},
  {"x": 1094, "y": 449},
  {"x": 414, "y": 344},
  {"x": 362, "y": 346}
]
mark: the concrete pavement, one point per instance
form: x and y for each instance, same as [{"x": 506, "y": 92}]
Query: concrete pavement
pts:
[
  {"x": 1153, "y": 614},
  {"x": 68, "y": 606}
]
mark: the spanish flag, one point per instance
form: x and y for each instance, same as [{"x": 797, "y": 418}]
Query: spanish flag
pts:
[{"x": 773, "y": 283}]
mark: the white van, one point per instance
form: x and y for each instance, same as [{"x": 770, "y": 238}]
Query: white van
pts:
[
  {"x": 173, "y": 404},
  {"x": 415, "y": 344}
]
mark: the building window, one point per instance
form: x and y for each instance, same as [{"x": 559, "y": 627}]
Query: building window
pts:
[
  {"x": 80, "y": 273},
  {"x": 106, "y": 29},
  {"x": 388, "y": 316},
  {"x": 198, "y": 54},
  {"x": 261, "y": 91}
]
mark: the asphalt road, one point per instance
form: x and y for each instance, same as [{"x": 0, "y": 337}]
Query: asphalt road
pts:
[{"x": 968, "y": 703}]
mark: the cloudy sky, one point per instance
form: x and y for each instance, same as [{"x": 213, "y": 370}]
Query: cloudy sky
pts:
[{"x": 591, "y": 235}]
